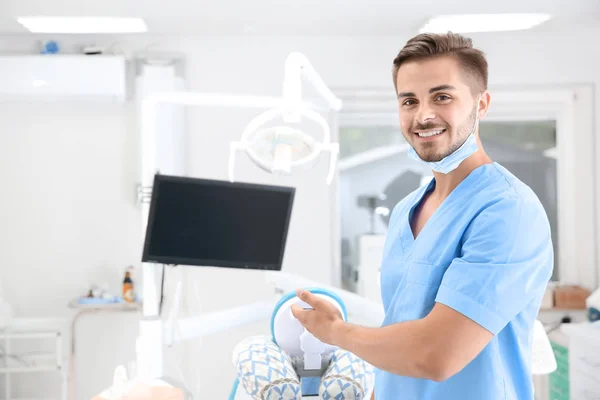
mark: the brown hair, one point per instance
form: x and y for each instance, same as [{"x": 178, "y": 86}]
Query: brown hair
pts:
[{"x": 428, "y": 45}]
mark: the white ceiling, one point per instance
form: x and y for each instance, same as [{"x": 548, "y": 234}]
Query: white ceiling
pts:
[{"x": 295, "y": 17}]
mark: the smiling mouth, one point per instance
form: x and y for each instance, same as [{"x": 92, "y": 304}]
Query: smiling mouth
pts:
[{"x": 429, "y": 134}]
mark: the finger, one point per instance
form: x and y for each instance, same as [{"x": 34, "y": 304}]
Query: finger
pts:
[
  {"x": 307, "y": 297},
  {"x": 298, "y": 312}
]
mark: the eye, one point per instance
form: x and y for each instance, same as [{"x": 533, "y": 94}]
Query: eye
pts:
[
  {"x": 442, "y": 97},
  {"x": 409, "y": 102}
]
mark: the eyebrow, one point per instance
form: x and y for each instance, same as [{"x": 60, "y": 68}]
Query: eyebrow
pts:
[{"x": 432, "y": 90}]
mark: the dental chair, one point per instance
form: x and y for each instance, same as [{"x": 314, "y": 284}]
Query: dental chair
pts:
[{"x": 292, "y": 364}]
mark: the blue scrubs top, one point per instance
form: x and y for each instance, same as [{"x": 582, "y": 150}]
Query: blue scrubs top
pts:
[{"x": 485, "y": 252}]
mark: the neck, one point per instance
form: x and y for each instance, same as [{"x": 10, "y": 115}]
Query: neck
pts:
[{"x": 446, "y": 183}]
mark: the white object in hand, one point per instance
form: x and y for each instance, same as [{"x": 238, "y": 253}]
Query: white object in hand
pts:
[{"x": 312, "y": 348}]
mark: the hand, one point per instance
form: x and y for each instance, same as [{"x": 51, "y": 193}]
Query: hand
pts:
[{"x": 323, "y": 321}]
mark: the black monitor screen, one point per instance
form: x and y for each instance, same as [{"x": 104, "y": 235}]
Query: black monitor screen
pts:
[{"x": 217, "y": 223}]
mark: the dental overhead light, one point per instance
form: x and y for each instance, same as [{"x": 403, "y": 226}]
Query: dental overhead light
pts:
[{"x": 281, "y": 148}]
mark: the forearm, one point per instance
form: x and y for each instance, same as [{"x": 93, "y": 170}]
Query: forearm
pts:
[{"x": 405, "y": 349}]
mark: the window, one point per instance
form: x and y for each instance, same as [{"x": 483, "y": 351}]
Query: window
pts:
[{"x": 356, "y": 140}]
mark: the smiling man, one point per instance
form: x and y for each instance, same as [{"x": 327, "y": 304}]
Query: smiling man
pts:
[{"x": 467, "y": 257}]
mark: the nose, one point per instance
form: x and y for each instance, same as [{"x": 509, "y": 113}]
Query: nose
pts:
[{"x": 425, "y": 113}]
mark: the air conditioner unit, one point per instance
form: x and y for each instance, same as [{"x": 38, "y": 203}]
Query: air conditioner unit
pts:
[{"x": 63, "y": 76}]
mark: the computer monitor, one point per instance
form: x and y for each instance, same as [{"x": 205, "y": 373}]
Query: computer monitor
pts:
[{"x": 201, "y": 222}]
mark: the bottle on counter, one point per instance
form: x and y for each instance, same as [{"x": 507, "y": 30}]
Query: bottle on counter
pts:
[{"x": 128, "y": 292}]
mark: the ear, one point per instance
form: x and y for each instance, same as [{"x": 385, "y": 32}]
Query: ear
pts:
[{"x": 484, "y": 104}]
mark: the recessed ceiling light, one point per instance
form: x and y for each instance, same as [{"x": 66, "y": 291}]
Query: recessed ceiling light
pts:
[
  {"x": 469, "y": 23},
  {"x": 83, "y": 24}
]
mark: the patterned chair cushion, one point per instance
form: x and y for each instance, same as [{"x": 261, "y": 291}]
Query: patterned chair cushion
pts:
[
  {"x": 265, "y": 371},
  {"x": 347, "y": 378}
]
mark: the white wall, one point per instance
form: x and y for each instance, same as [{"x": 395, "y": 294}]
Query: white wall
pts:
[
  {"x": 212, "y": 64},
  {"x": 67, "y": 211},
  {"x": 68, "y": 217}
]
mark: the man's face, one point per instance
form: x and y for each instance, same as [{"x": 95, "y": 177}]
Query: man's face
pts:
[{"x": 433, "y": 97}]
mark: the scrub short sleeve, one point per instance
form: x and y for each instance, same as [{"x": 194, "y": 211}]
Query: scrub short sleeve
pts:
[{"x": 505, "y": 263}]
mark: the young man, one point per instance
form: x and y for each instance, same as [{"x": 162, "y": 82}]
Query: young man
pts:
[{"x": 467, "y": 257}]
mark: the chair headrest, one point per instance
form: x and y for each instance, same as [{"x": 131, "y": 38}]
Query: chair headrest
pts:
[{"x": 286, "y": 330}]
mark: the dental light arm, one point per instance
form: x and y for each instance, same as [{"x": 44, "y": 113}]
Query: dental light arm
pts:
[
  {"x": 215, "y": 322},
  {"x": 177, "y": 330},
  {"x": 298, "y": 67}
]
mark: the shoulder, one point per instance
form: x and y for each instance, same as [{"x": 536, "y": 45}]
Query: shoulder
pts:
[
  {"x": 507, "y": 197},
  {"x": 509, "y": 221}
]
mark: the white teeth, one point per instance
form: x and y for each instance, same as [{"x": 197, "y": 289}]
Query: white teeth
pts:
[{"x": 429, "y": 134}]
